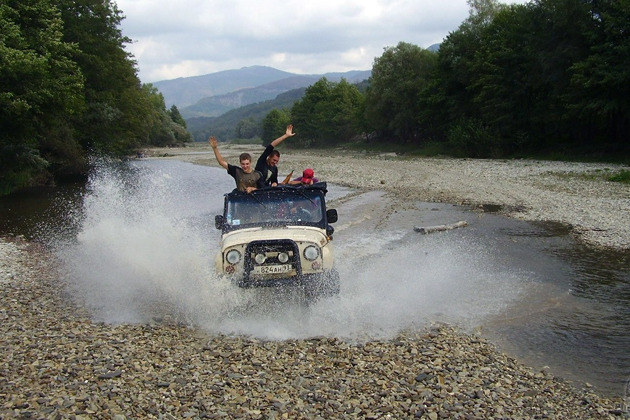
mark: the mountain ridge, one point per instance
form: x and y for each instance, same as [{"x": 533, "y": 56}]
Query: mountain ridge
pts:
[
  {"x": 185, "y": 91},
  {"x": 216, "y": 93}
]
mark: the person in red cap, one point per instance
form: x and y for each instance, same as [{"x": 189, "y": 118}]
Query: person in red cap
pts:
[{"x": 307, "y": 178}]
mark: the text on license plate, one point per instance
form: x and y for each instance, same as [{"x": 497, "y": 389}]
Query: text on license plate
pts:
[{"x": 273, "y": 269}]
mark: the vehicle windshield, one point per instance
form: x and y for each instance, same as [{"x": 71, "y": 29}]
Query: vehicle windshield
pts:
[{"x": 302, "y": 207}]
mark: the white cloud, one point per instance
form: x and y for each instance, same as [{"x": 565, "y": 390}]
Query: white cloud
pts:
[{"x": 194, "y": 37}]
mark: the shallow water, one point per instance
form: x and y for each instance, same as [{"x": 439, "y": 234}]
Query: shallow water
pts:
[{"x": 138, "y": 245}]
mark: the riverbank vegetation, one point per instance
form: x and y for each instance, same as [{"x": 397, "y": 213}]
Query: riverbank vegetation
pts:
[
  {"x": 69, "y": 89},
  {"x": 545, "y": 79},
  {"x": 550, "y": 78}
]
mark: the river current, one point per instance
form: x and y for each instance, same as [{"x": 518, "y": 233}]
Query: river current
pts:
[{"x": 138, "y": 242}]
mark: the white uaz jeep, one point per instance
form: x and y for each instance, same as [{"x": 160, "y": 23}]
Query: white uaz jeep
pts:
[{"x": 279, "y": 236}]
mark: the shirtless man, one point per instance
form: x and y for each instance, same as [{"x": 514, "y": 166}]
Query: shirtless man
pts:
[{"x": 247, "y": 180}]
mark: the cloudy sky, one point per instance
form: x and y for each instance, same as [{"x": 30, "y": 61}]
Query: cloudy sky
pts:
[{"x": 194, "y": 37}]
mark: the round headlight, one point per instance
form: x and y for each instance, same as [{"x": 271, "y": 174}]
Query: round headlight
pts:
[
  {"x": 311, "y": 252},
  {"x": 260, "y": 258},
  {"x": 283, "y": 257},
  {"x": 233, "y": 256}
]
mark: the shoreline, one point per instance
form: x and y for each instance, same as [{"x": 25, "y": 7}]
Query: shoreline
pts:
[
  {"x": 572, "y": 193},
  {"x": 57, "y": 361}
]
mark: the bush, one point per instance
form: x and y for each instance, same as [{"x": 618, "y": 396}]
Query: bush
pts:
[
  {"x": 472, "y": 138},
  {"x": 621, "y": 176}
]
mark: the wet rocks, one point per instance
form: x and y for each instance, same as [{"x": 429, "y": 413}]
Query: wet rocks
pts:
[{"x": 55, "y": 362}]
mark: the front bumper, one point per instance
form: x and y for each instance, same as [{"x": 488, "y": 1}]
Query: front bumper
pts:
[{"x": 294, "y": 269}]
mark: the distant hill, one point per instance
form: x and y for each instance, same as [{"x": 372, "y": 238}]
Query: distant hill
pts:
[
  {"x": 185, "y": 91},
  {"x": 213, "y": 106},
  {"x": 223, "y": 126},
  {"x": 215, "y": 103},
  {"x": 214, "y": 94}
]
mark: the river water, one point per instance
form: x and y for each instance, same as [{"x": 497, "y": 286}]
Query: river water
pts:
[{"x": 137, "y": 244}]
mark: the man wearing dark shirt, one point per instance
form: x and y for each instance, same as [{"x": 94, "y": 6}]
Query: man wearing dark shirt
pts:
[
  {"x": 246, "y": 179},
  {"x": 268, "y": 161}
]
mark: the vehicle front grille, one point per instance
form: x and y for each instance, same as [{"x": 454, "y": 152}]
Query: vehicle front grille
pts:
[{"x": 271, "y": 249}]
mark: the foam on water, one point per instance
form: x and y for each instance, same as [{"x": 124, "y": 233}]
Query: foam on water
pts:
[{"x": 145, "y": 248}]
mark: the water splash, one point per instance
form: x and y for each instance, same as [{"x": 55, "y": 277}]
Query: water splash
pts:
[
  {"x": 144, "y": 239},
  {"x": 146, "y": 243},
  {"x": 140, "y": 248}
]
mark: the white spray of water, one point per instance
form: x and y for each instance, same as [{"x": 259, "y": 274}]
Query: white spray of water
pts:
[{"x": 146, "y": 245}]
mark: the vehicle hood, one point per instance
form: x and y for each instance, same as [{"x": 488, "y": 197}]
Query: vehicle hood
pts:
[{"x": 297, "y": 234}]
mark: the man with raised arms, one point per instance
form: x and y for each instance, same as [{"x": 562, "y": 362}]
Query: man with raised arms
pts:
[{"x": 268, "y": 161}]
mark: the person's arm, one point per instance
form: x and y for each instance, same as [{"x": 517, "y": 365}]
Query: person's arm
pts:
[
  {"x": 288, "y": 133},
  {"x": 273, "y": 179},
  {"x": 260, "y": 183},
  {"x": 262, "y": 159},
  {"x": 296, "y": 181},
  {"x": 215, "y": 148}
]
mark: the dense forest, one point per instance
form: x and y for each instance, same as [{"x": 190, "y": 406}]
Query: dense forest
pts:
[
  {"x": 69, "y": 90},
  {"x": 547, "y": 78}
]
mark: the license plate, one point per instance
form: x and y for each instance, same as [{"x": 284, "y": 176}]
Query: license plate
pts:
[{"x": 273, "y": 269}]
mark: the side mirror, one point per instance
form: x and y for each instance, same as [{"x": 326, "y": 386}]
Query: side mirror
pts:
[
  {"x": 331, "y": 215},
  {"x": 218, "y": 221}
]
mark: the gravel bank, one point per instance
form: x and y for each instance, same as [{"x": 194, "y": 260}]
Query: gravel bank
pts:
[
  {"x": 56, "y": 363},
  {"x": 575, "y": 194}
]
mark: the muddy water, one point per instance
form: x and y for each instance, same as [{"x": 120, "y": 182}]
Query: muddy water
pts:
[{"x": 144, "y": 233}]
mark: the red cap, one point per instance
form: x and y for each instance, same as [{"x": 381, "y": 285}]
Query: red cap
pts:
[{"x": 308, "y": 174}]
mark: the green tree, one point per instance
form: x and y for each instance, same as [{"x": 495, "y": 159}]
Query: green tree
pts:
[
  {"x": 164, "y": 129},
  {"x": 506, "y": 89},
  {"x": 119, "y": 115},
  {"x": 447, "y": 99},
  {"x": 399, "y": 77},
  {"x": 347, "y": 106},
  {"x": 40, "y": 89},
  {"x": 328, "y": 112},
  {"x": 558, "y": 38},
  {"x": 69, "y": 88},
  {"x": 601, "y": 81},
  {"x": 175, "y": 115},
  {"x": 274, "y": 124},
  {"x": 247, "y": 128},
  {"x": 503, "y": 76}
]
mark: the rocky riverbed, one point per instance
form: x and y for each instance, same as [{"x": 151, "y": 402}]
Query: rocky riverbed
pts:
[
  {"x": 56, "y": 362},
  {"x": 59, "y": 364},
  {"x": 573, "y": 193}
]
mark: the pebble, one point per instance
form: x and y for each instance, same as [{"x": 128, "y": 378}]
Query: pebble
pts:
[{"x": 57, "y": 363}]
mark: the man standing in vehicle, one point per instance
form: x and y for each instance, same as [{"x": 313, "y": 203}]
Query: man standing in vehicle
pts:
[
  {"x": 247, "y": 180},
  {"x": 268, "y": 161}
]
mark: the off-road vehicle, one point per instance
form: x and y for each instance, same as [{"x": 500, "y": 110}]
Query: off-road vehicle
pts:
[{"x": 279, "y": 236}]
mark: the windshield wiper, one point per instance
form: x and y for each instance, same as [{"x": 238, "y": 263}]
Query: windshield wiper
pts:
[
  {"x": 303, "y": 194},
  {"x": 259, "y": 200}
]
